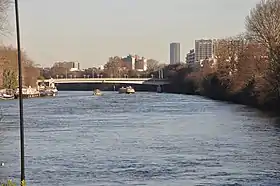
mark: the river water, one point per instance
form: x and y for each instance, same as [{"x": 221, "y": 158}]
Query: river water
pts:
[{"x": 76, "y": 139}]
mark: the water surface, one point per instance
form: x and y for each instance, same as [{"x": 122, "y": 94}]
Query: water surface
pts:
[{"x": 142, "y": 139}]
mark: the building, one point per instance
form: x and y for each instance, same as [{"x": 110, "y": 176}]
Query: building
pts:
[
  {"x": 203, "y": 49},
  {"x": 129, "y": 61},
  {"x": 190, "y": 57},
  {"x": 135, "y": 62},
  {"x": 77, "y": 65},
  {"x": 64, "y": 64},
  {"x": 141, "y": 64},
  {"x": 175, "y": 53}
]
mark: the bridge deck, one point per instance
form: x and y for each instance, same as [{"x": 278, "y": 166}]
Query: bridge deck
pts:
[{"x": 151, "y": 81}]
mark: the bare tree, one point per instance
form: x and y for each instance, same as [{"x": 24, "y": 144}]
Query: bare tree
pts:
[
  {"x": 152, "y": 65},
  {"x": 4, "y": 23},
  {"x": 115, "y": 67},
  {"x": 263, "y": 26}
]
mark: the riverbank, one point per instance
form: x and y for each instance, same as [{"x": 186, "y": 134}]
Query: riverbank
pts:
[
  {"x": 10, "y": 94},
  {"x": 211, "y": 87}
]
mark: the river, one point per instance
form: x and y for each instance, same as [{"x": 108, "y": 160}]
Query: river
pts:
[{"x": 141, "y": 139}]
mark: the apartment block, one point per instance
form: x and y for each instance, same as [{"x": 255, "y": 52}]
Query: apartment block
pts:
[
  {"x": 141, "y": 64},
  {"x": 135, "y": 62},
  {"x": 129, "y": 61},
  {"x": 190, "y": 57},
  {"x": 175, "y": 53},
  {"x": 203, "y": 49}
]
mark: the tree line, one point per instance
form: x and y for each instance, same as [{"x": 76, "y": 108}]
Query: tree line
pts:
[
  {"x": 246, "y": 69},
  {"x": 8, "y": 57},
  {"x": 115, "y": 67}
]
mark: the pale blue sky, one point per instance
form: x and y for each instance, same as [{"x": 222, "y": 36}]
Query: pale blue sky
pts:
[{"x": 90, "y": 31}]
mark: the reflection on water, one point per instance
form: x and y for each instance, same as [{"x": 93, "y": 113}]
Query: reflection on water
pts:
[{"x": 141, "y": 139}]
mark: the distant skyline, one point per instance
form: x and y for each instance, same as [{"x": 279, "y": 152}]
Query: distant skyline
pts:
[{"x": 93, "y": 30}]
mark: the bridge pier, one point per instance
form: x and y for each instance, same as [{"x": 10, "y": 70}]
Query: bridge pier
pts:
[{"x": 159, "y": 89}]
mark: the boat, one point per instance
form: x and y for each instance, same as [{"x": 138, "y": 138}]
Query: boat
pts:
[
  {"x": 47, "y": 90},
  {"x": 97, "y": 92},
  {"x": 54, "y": 90},
  {"x": 7, "y": 96},
  {"x": 130, "y": 90},
  {"x": 122, "y": 90},
  {"x": 27, "y": 92}
]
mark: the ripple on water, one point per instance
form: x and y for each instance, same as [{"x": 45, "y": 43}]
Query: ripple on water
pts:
[{"x": 141, "y": 139}]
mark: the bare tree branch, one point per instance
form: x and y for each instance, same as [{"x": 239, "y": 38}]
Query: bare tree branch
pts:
[
  {"x": 263, "y": 26},
  {"x": 4, "y": 22}
]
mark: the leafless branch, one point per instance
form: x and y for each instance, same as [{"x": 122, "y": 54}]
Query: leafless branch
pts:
[{"x": 4, "y": 22}]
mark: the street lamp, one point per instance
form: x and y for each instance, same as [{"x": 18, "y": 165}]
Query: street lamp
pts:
[{"x": 21, "y": 123}]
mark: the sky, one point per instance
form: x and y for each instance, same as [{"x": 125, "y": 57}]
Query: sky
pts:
[{"x": 93, "y": 30}]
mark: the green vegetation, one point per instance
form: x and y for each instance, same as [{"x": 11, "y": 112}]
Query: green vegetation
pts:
[
  {"x": 11, "y": 183},
  {"x": 9, "y": 79}
]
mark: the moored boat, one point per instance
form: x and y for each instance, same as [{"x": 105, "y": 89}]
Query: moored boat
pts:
[{"x": 7, "y": 96}]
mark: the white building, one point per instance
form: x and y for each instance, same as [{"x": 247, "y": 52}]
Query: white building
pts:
[
  {"x": 141, "y": 64},
  {"x": 190, "y": 57},
  {"x": 203, "y": 49},
  {"x": 76, "y": 65}
]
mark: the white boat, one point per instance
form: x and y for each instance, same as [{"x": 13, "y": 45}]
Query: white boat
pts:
[
  {"x": 6, "y": 97},
  {"x": 122, "y": 90},
  {"x": 97, "y": 92},
  {"x": 130, "y": 90}
]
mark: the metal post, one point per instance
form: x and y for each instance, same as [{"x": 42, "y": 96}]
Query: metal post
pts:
[{"x": 22, "y": 171}]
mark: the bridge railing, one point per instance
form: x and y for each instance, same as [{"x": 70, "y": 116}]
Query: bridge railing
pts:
[{"x": 104, "y": 79}]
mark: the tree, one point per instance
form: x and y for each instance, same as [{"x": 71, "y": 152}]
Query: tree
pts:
[
  {"x": 133, "y": 74},
  {"x": 115, "y": 67},
  {"x": 152, "y": 65},
  {"x": 262, "y": 25},
  {"x": 9, "y": 79},
  {"x": 8, "y": 61},
  {"x": 4, "y": 23},
  {"x": 54, "y": 71}
]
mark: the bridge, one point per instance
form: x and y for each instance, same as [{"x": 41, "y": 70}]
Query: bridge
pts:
[{"x": 135, "y": 81}]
